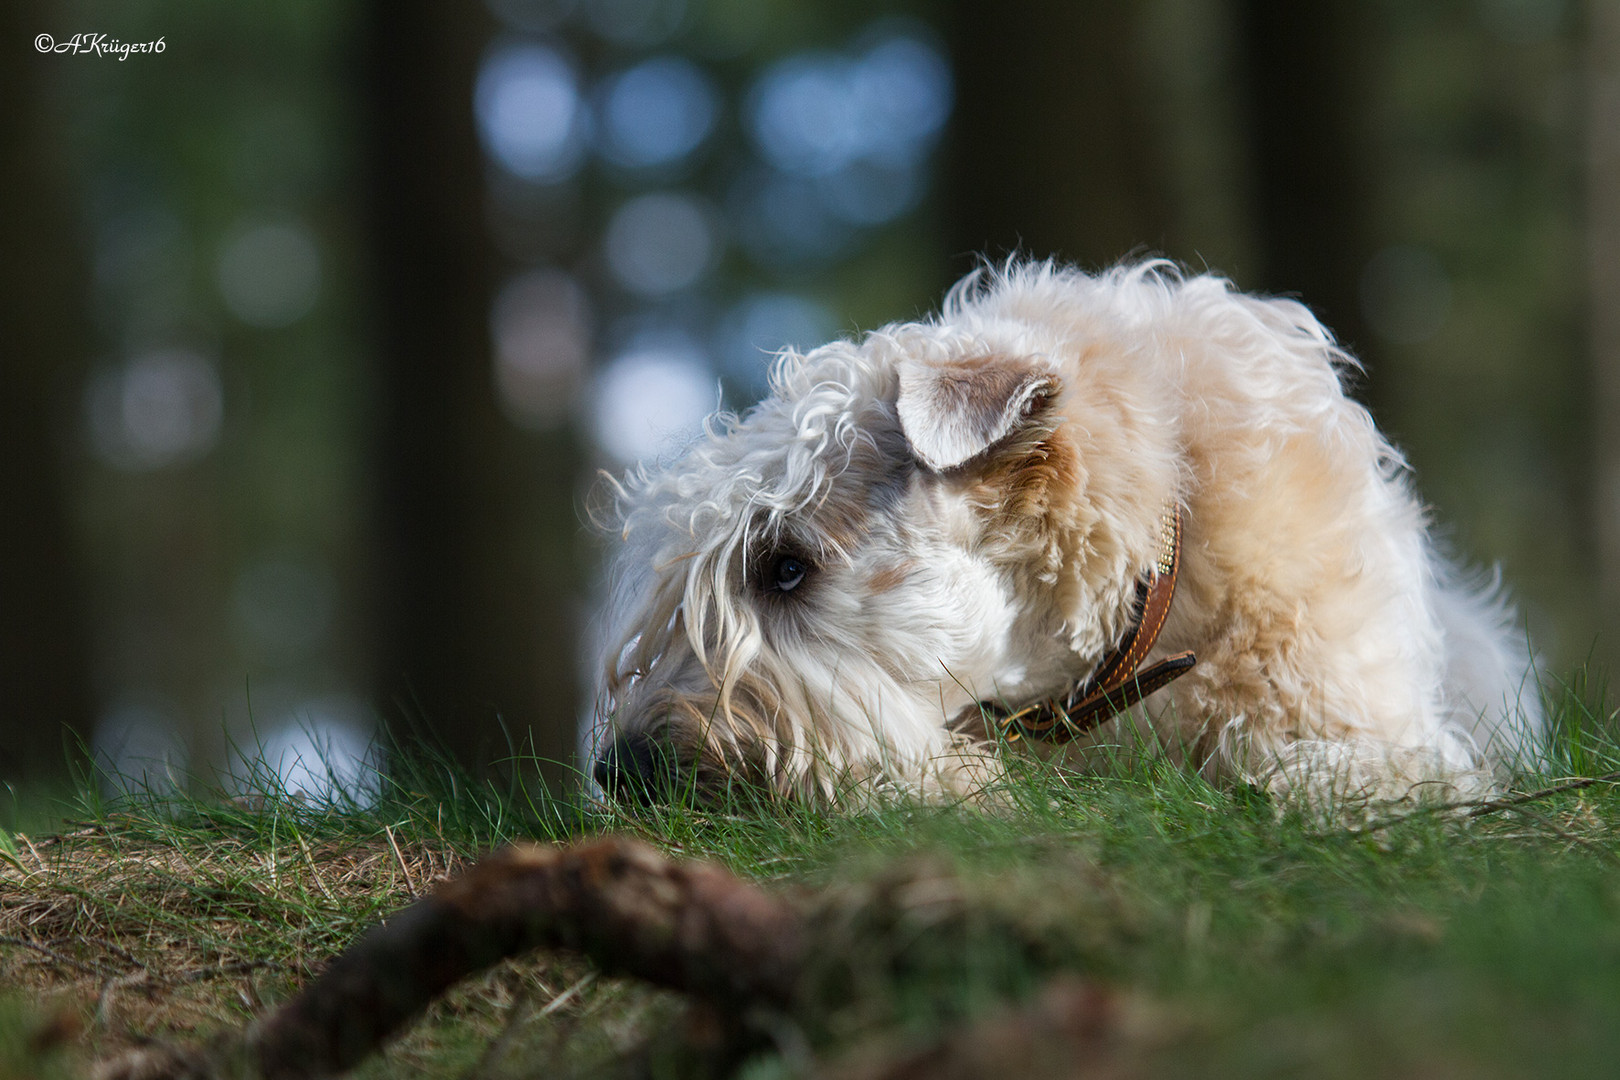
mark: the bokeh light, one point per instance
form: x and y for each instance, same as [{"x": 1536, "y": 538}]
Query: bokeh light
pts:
[
  {"x": 761, "y": 325},
  {"x": 269, "y": 273},
  {"x": 661, "y": 243},
  {"x": 162, "y": 408},
  {"x": 530, "y": 114},
  {"x": 803, "y": 116},
  {"x": 845, "y": 137},
  {"x": 656, "y": 113},
  {"x": 652, "y": 399},
  {"x": 814, "y": 113},
  {"x": 323, "y": 749},
  {"x": 902, "y": 90},
  {"x": 541, "y": 325}
]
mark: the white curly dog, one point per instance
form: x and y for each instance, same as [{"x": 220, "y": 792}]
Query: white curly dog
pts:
[{"x": 1015, "y": 524}]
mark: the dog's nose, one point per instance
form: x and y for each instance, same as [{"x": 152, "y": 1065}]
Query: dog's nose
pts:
[{"x": 637, "y": 768}]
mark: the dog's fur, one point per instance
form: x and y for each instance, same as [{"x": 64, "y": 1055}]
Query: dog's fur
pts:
[{"x": 974, "y": 497}]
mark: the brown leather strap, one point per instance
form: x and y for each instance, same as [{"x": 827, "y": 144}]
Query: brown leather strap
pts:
[{"x": 1117, "y": 684}]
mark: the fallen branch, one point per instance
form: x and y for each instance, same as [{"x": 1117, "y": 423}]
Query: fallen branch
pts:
[
  {"x": 1476, "y": 808},
  {"x": 1490, "y": 806},
  {"x": 689, "y": 927}
]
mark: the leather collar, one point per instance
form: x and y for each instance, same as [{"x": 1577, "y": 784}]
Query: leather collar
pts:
[{"x": 1120, "y": 681}]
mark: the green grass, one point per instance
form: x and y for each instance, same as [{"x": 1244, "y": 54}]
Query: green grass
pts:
[{"x": 1245, "y": 942}]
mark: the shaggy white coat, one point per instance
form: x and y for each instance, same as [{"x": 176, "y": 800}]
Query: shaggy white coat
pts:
[{"x": 975, "y": 495}]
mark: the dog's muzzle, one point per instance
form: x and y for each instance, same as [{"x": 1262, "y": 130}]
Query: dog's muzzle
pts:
[{"x": 638, "y": 768}]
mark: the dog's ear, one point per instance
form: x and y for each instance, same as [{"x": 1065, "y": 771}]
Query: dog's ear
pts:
[{"x": 952, "y": 413}]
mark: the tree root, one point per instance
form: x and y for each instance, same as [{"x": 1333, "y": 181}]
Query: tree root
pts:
[
  {"x": 690, "y": 927},
  {"x": 756, "y": 967}
]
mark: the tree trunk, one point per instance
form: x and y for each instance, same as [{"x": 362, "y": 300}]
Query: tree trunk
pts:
[
  {"x": 475, "y": 533},
  {"x": 1603, "y": 283},
  {"x": 1055, "y": 151},
  {"x": 44, "y": 665},
  {"x": 1306, "y": 94}
]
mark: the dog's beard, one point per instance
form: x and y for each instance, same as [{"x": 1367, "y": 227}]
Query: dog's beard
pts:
[{"x": 783, "y": 724}]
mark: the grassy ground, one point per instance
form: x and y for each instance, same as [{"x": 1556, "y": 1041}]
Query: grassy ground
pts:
[{"x": 1229, "y": 939}]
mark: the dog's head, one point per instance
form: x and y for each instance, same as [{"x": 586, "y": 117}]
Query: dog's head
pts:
[{"x": 943, "y": 513}]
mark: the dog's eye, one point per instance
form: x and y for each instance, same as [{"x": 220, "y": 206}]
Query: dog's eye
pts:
[{"x": 788, "y": 573}]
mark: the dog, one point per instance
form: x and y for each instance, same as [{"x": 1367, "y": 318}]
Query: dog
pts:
[{"x": 919, "y": 552}]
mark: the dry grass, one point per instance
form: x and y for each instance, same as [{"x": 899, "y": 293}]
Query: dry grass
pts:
[
  {"x": 113, "y": 935},
  {"x": 140, "y": 938}
]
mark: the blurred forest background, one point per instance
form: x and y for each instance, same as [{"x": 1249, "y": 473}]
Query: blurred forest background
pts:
[{"x": 318, "y": 324}]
